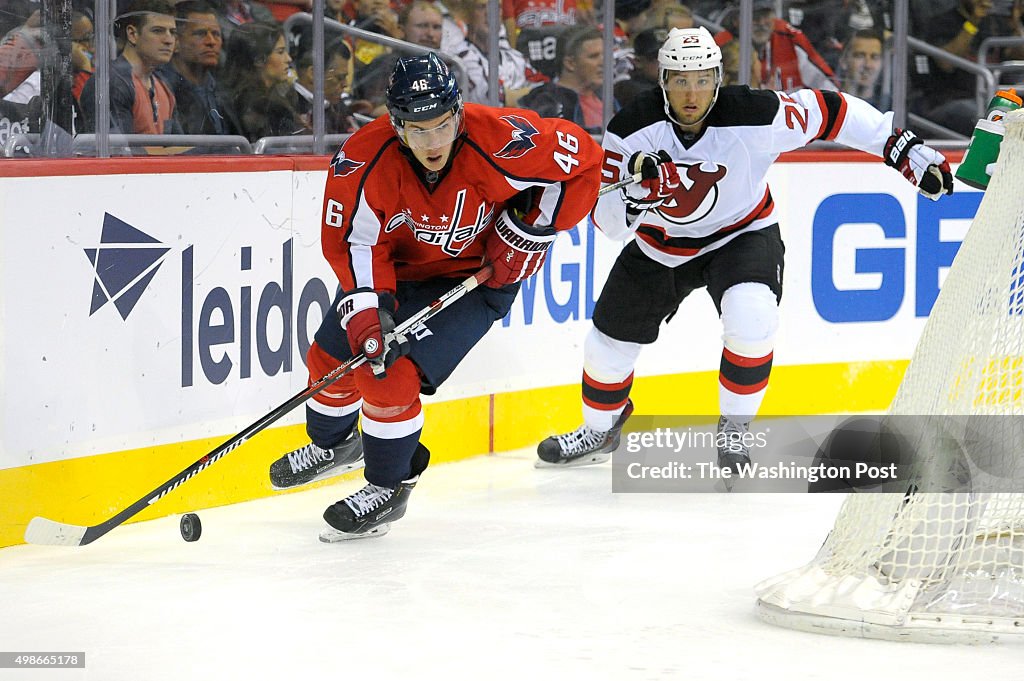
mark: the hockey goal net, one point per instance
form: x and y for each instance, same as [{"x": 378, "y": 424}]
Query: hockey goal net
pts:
[{"x": 942, "y": 565}]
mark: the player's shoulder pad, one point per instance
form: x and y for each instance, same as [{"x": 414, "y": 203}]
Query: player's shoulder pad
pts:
[
  {"x": 360, "y": 152},
  {"x": 519, "y": 143},
  {"x": 740, "y": 105},
  {"x": 647, "y": 109},
  {"x": 503, "y": 133}
]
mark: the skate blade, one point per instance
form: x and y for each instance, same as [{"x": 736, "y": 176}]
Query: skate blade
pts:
[
  {"x": 329, "y": 473},
  {"x": 333, "y": 536},
  {"x": 588, "y": 460}
]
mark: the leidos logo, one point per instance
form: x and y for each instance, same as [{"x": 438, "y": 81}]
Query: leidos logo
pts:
[
  {"x": 247, "y": 320},
  {"x": 242, "y": 318},
  {"x": 123, "y": 265}
]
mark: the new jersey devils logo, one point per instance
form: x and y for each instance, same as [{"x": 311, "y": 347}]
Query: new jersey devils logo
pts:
[{"x": 696, "y": 196}]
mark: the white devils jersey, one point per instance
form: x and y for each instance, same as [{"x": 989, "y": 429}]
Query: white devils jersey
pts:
[{"x": 724, "y": 192}]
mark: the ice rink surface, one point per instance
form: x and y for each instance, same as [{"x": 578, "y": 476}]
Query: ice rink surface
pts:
[{"x": 499, "y": 571}]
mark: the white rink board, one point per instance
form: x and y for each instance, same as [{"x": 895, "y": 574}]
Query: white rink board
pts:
[{"x": 79, "y": 384}]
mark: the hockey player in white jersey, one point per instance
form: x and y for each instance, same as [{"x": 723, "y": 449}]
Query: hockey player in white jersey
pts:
[{"x": 703, "y": 217}]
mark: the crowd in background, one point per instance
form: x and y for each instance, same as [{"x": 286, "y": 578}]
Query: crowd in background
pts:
[{"x": 240, "y": 67}]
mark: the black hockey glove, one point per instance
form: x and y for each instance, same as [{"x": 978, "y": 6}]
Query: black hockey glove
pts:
[
  {"x": 369, "y": 324},
  {"x": 924, "y": 167}
]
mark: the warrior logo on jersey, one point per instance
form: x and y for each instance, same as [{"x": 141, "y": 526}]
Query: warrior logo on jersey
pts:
[
  {"x": 343, "y": 167},
  {"x": 522, "y": 133},
  {"x": 444, "y": 231},
  {"x": 696, "y": 196}
]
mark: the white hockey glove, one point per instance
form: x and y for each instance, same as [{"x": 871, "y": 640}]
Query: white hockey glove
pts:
[
  {"x": 660, "y": 179},
  {"x": 515, "y": 249},
  {"x": 370, "y": 328},
  {"x": 923, "y": 167}
]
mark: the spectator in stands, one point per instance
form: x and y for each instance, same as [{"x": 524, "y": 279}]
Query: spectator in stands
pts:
[
  {"x": 338, "y": 10},
  {"x": 731, "y": 65},
  {"x": 669, "y": 14},
  {"x": 788, "y": 59},
  {"x": 282, "y": 9},
  {"x": 19, "y": 53},
  {"x": 421, "y": 23},
  {"x": 944, "y": 93},
  {"x": 140, "y": 101},
  {"x": 378, "y": 17},
  {"x": 82, "y": 35},
  {"x": 860, "y": 68},
  {"x": 631, "y": 17},
  {"x": 257, "y": 78},
  {"x": 575, "y": 95},
  {"x": 512, "y": 68},
  {"x": 15, "y": 13},
  {"x": 190, "y": 75},
  {"x": 828, "y": 23},
  {"x": 234, "y": 13},
  {"x": 337, "y": 71},
  {"x": 517, "y": 15},
  {"x": 645, "y": 65},
  {"x": 21, "y": 109}
]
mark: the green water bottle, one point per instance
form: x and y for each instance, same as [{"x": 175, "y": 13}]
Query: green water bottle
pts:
[{"x": 988, "y": 135}]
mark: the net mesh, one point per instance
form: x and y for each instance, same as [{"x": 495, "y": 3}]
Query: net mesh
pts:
[{"x": 943, "y": 562}]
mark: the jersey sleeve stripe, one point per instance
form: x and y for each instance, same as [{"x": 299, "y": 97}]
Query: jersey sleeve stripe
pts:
[
  {"x": 361, "y": 261},
  {"x": 551, "y": 202},
  {"x": 361, "y": 201},
  {"x": 366, "y": 225},
  {"x": 833, "y": 113}
]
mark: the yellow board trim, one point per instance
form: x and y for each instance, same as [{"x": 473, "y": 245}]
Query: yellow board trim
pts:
[{"x": 88, "y": 490}]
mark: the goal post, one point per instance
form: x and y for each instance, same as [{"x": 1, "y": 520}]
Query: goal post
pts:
[{"x": 928, "y": 565}]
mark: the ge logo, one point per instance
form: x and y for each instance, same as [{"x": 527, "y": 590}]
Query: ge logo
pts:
[{"x": 370, "y": 346}]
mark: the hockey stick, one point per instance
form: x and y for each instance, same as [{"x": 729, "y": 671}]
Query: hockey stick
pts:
[
  {"x": 44, "y": 531},
  {"x": 620, "y": 184}
]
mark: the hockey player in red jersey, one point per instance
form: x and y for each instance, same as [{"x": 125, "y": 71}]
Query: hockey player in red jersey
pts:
[
  {"x": 414, "y": 203},
  {"x": 703, "y": 217}
]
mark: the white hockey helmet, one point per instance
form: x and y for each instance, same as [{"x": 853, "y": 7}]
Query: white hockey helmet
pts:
[{"x": 689, "y": 49}]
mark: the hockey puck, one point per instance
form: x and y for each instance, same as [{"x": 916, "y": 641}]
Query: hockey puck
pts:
[{"x": 191, "y": 528}]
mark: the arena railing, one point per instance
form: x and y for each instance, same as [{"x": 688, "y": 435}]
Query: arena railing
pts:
[
  {"x": 986, "y": 81},
  {"x": 997, "y": 68},
  {"x": 305, "y": 18},
  {"x": 85, "y": 144},
  {"x": 292, "y": 144}
]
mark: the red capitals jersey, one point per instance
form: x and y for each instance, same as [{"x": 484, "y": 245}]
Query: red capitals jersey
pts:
[{"x": 382, "y": 222}]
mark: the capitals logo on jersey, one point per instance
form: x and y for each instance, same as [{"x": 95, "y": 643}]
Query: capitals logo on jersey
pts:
[
  {"x": 343, "y": 167},
  {"x": 522, "y": 137},
  {"x": 697, "y": 194},
  {"x": 445, "y": 231}
]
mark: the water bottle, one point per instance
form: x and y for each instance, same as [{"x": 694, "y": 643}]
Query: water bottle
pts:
[{"x": 988, "y": 135}]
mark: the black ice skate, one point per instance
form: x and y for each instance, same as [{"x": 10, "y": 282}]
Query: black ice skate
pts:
[
  {"x": 583, "y": 446},
  {"x": 370, "y": 511},
  {"x": 733, "y": 451},
  {"x": 309, "y": 463}
]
